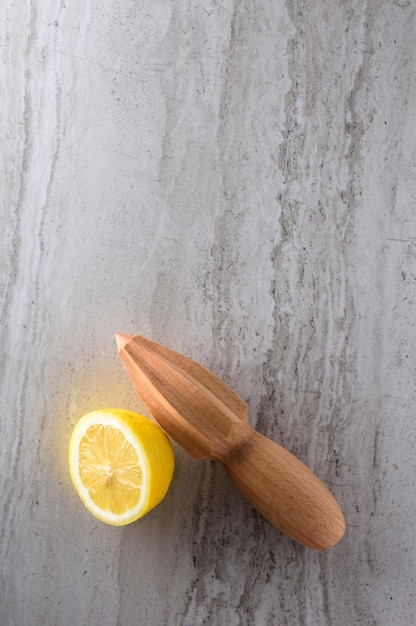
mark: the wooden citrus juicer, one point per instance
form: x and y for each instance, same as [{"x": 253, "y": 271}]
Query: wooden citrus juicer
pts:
[{"x": 204, "y": 416}]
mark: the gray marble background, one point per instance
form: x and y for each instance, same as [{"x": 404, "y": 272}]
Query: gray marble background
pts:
[{"x": 236, "y": 180}]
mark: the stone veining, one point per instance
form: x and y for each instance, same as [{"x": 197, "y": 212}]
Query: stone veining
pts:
[{"x": 236, "y": 181}]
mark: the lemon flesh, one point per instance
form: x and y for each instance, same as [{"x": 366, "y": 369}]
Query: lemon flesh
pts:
[{"x": 121, "y": 464}]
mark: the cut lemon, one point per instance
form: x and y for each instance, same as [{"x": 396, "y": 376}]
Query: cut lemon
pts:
[{"x": 121, "y": 464}]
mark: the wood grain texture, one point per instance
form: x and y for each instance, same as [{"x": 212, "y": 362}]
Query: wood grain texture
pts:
[
  {"x": 208, "y": 420},
  {"x": 236, "y": 179}
]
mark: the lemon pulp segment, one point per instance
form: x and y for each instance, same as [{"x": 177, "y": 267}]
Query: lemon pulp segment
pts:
[{"x": 109, "y": 469}]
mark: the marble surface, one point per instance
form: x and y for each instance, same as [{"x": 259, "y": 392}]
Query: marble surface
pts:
[{"x": 236, "y": 180}]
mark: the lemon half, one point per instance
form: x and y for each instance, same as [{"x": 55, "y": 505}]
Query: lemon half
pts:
[{"x": 121, "y": 464}]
